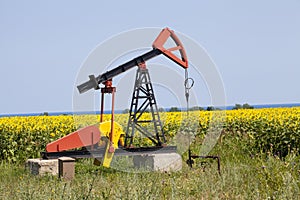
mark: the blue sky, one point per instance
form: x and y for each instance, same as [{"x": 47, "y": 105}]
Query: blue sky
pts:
[{"x": 254, "y": 44}]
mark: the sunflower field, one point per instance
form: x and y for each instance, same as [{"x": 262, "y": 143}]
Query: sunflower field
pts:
[{"x": 271, "y": 129}]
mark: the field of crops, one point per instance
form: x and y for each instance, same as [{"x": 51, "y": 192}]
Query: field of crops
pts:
[
  {"x": 259, "y": 152},
  {"x": 276, "y": 129}
]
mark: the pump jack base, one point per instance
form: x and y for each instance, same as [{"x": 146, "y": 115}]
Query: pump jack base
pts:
[{"x": 100, "y": 151}]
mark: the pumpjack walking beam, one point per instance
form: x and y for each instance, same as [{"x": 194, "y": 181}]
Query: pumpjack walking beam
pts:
[{"x": 158, "y": 49}]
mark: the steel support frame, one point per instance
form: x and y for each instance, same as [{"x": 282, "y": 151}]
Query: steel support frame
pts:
[{"x": 143, "y": 100}]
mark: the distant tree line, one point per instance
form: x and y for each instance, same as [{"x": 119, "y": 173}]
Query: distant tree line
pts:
[
  {"x": 244, "y": 106},
  {"x": 195, "y": 108}
]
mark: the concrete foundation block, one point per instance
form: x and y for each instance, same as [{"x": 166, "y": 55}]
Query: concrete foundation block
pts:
[
  {"x": 159, "y": 162},
  {"x": 66, "y": 168},
  {"x": 42, "y": 167}
]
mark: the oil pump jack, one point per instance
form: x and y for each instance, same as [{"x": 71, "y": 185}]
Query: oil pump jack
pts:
[{"x": 143, "y": 99}]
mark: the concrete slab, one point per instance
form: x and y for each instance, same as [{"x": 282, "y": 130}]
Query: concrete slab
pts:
[
  {"x": 38, "y": 166},
  {"x": 159, "y": 162}
]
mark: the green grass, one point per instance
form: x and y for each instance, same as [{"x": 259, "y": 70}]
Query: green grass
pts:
[{"x": 243, "y": 176}]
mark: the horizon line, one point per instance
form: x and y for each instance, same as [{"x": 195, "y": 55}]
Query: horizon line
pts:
[{"x": 120, "y": 111}]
